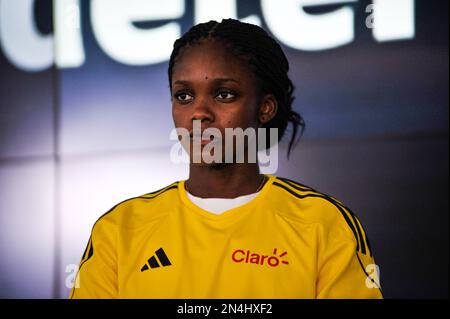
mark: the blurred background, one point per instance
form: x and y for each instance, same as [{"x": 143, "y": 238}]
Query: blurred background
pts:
[{"x": 85, "y": 117}]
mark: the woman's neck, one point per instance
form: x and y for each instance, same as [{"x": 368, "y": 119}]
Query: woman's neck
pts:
[{"x": 224, "y": 180}]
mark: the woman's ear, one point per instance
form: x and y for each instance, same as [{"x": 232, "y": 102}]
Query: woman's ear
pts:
[{"x": 268, "y": 108}]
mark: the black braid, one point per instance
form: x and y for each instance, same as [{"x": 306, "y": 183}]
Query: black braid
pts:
[{"x": 266, "y": 59}]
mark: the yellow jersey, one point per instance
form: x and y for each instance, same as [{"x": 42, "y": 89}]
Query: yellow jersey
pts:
[{"x": 289, "y": 242}]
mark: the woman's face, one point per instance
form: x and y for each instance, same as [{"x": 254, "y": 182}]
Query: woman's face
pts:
[{"x": 211, "y": 85}]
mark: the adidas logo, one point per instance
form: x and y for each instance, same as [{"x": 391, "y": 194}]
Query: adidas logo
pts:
[{"x": 153, "y": 261}]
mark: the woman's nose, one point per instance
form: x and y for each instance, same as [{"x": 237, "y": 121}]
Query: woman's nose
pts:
[{"x": 202, "y": 111}]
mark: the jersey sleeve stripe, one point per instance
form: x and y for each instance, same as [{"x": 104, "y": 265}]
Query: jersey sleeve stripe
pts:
[
  {"x": 86, "y": 249},
  {"x": 368, "y": 276},
  {"x": 162, "y": 190},
  {"x": 296, "y": 185},
  {"x": 359, "y": 229},
  {"x": 89, "y": 249},
  {"x": 366, "y": 238},
  {"x": 153, "y": 195},
  {"x": 343, "y": 213},
  {"x": 88, "y": 253},
  {"x": 302, "y": 187}
]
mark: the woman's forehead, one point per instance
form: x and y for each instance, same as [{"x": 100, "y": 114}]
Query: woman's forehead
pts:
[{"x": 210, "y": 59}]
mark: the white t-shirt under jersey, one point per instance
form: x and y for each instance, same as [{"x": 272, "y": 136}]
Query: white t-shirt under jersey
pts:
[{"x": 220, "y": 205}]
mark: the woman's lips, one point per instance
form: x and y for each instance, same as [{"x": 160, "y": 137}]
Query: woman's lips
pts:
[{"x": 203, "y": 141}]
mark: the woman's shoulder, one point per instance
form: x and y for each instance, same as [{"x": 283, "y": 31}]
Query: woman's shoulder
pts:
[
  {"x": 313, "y": 206},
  {"x": 310, "y": 205},
  {"x": 140, "y": 208},
  {"x": 302, "y": 192}
]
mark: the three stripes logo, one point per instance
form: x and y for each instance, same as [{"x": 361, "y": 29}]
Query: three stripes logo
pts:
[{"x": 153, "y": 261}]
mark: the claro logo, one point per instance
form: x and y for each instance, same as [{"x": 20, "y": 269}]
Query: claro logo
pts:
[{"x": 249, "y": 257}]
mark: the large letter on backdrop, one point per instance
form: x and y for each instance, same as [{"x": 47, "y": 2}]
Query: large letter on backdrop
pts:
[
  {"x": 300, "y": 30},
  {"x": 112, "y": 22},
  {"x": 22, "y": 43}
]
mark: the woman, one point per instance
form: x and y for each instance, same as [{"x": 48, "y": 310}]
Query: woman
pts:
[{"x": 229, "y": 231}]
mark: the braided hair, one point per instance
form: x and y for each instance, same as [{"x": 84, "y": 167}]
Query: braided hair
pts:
[{"x": 264, "y": 56}]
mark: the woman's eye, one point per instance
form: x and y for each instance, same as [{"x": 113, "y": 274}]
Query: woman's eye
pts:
[
  {"x": 183, "y": 97},
  {"x": 226, "y": 95}
]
